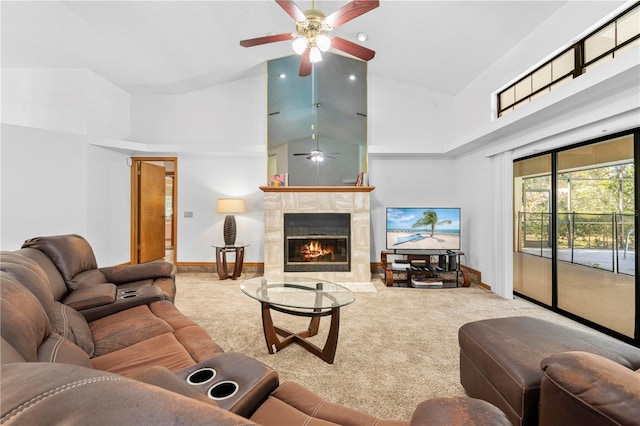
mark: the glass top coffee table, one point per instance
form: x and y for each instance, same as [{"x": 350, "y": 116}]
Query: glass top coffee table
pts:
[{"x": 300, "y": 296}]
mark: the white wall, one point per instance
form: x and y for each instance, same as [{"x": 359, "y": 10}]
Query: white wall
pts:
[
  {"x": 404, "y": 118},
  {"x": 108, "y": 178},
  {"x": 201, "y": 181},
  {"x": 225, "y": 115},
  {"x": 53, "y": 180},
  {"x": 44, "y": 184}
]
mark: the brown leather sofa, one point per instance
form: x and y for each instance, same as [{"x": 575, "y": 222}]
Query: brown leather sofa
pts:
[
  {"x": 75, "y": 261},
  {"x": 146, "y": 363},
  {"x": 538, "y": 372}
]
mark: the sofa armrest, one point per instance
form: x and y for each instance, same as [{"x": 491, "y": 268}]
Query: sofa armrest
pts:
[
  {"x": 584, "y": 388},
  {"x": 164, "y": 378},
  {"x": 52, "y": 393},
  {"x": 458, "y": 411},
  {"x": 129, "y": 273},
  {"x": 125, "y": 299},
  {"x": 90, "y": 296}
]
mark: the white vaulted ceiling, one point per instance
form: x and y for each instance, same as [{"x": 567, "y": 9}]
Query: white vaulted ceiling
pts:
[{"x": 180, "y": 46}]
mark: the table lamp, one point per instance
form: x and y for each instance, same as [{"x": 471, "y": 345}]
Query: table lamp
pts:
[{"x": 230, "y": 205}]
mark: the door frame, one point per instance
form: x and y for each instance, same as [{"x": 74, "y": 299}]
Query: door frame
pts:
[{"x": 135, "y": 199}]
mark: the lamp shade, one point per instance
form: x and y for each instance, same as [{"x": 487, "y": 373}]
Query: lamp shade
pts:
[{"x": 230, "y": 205}]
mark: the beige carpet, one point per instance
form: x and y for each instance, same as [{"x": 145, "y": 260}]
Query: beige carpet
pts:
[{"x": 397, "y": 346}]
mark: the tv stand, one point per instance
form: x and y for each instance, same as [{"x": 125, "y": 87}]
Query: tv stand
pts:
[{"x": 418, "y": 270}]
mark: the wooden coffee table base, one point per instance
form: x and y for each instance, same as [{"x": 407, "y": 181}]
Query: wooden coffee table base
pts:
[{"x": 274, "y": 344}]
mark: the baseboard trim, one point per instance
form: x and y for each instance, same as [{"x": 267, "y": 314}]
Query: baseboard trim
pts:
[
  {"x": 478, "y": 276},
  {"x": 252, "y": 267}
]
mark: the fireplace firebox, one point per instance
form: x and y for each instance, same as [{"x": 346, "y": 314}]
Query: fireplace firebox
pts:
[{"x": 316, "y": 242}]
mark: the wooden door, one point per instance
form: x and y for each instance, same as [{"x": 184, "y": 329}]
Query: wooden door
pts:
[{"x": 151, "y": 212}]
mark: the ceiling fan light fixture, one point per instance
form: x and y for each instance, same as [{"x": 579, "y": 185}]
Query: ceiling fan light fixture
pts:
[
  {"x": 323, "y": 42},
  {"x": 299, "y": 45},
  {"x": 315, "y": 55}
]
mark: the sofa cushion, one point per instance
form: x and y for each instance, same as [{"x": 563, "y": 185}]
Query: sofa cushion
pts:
[
  {"x": 300, "y": 406},
  {"x": 132, "y": 326},
  {"x": 71, "y": 254},
  {"x": 56, "y": 348},
  {"x": 163, "y": 350},
  {"x": 24, "y": 323},
  {"x": 30, "y": 275},
  {"x": 72, "y": 326},
  {"x": 126, "y": 328},
  {"x": 58, "y": 286}
]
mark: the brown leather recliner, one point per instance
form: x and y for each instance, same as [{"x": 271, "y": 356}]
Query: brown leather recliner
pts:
[
  {"x": 74, "y": 258},
  {"x": 588, "y": 389}
]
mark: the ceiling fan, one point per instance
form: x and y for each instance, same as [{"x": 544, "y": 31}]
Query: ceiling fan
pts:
[
  {"x": 316, "y": 155},
  {"x": 312, "y": 29}
]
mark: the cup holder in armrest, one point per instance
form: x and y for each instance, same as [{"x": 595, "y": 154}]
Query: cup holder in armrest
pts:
[
  {"x": 201, "y": 376},
  {"x": 125, "y": 298},
  {"x": 240, "y": 383},
  {"x": 223, "y": 390}
]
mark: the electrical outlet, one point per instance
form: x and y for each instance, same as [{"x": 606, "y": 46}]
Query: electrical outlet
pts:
[{"x": 188, "y": 214}]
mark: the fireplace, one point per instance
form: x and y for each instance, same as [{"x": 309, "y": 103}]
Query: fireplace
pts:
[
  {"x": 315, "y": 242},
  {"x": 354, "y": 201}
]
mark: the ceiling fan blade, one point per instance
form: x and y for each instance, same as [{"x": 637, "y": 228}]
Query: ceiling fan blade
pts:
[
  {"x": 292, "y": 10},
  {"x": 305, "y": 63},
  {"x": 350, "y": 11},
  {"x": 266, "y": 39},
  {"x": 302, "y": 153},
  {"x": 352, "y": 48}
]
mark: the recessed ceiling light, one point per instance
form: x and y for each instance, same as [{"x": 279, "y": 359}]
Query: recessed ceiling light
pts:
[
  {"x": 352, "y": 77},
  {"x": 282, "y": 75}
]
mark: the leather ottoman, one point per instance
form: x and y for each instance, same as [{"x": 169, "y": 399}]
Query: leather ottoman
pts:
[{"x": 500, "y": 360}]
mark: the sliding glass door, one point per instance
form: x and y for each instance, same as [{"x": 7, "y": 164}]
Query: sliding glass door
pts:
[
  {"x": 595, "y": 226},
  {"x": 532, "y": 218},
  {"x": 575, "y": 221}
]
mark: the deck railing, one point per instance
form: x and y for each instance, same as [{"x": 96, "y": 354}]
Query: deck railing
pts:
[{"x": 604, "y": 241}]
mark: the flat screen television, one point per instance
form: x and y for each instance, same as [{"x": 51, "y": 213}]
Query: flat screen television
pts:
[{"x": 423, "y": 228}]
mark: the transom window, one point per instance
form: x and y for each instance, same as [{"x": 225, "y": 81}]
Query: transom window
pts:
[{"x": 608, "y": 41}]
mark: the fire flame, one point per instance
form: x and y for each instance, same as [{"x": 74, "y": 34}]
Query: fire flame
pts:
[{"x": 314, "y": 250}]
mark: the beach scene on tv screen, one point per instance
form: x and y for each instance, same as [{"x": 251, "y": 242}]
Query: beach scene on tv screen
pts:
[{"x": 423, "y": 228}]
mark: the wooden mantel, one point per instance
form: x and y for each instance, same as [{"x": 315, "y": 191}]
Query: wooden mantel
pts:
[{"x": 317, "y": 188}]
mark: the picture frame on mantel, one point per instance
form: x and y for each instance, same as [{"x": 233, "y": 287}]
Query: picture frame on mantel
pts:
[{"x": 279, "y": 180}]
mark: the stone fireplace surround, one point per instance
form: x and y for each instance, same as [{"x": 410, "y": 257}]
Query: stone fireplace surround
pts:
[{"x": 354, "y": 200}]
